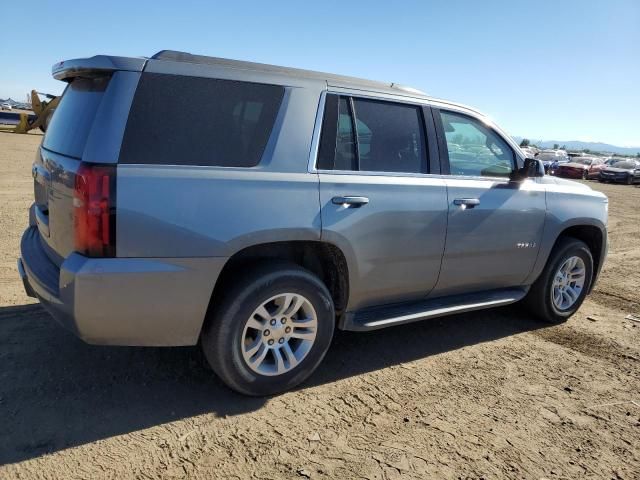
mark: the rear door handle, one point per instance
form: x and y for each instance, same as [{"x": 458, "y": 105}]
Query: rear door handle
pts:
[
  {"x": 355, "y": 202},
  {"x": 467, "y": 202}
]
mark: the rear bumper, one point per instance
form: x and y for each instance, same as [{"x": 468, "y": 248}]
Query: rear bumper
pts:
[{"x": 121, "y": 301}]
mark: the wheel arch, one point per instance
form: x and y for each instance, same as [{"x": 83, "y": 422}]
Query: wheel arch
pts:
[
  {"x": 595, "y": 239},
  {"x": 323, "y": 259}
]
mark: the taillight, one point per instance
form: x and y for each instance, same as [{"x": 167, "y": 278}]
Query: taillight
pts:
[{"x": 94, "y": 210}]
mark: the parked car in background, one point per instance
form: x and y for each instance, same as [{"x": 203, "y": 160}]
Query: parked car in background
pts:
[
  {"x": 580, "y": 167},
  {"x": 530, "y": 152},
  {"x": 624, "y": 171},
  {"x": 6, "y": 106},
  {"x": 551, "y": 158},
  {"x": 594, "y": 171},
  {"x": 305, "y": 202}
]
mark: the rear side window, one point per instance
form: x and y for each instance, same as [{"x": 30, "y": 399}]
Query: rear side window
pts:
[
  {"x": 70, "y": 126},
  {"x": 372, "y": 135},
  {"x": 178, "y": 120}
]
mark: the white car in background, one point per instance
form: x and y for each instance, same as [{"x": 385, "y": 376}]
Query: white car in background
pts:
[
  {"x": 6, "y": 106},
  {"x": 552, "y": 158},
  {"x": 530, "y": 152}
]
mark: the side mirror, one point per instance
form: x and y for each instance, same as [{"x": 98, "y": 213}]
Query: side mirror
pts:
[{"x": 531, "y": 168}]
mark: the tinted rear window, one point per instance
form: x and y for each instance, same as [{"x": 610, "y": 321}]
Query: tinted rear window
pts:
[
  {"x": 70, "y": 126},
  {"x": 178, "y": 120}
]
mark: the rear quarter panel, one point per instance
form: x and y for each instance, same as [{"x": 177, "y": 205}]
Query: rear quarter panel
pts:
[{"x": 171, "y": 211}]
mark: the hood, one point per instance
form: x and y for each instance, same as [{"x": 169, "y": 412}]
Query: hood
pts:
[
  {"x": 574, "y": 165},
  {"x": 569, "y": 186},
  {"x": 548, "y": 179}
]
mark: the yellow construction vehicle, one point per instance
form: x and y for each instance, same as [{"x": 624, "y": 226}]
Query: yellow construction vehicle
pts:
[{"x": 42, "y": 109}]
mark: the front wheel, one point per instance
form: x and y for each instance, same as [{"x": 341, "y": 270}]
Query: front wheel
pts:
[
  {"x": 271, "y": 330},
  {"x": 563, "y": 284}
]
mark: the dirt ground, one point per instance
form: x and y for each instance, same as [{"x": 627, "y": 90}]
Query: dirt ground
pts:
[{"x": 492, "y": 394}]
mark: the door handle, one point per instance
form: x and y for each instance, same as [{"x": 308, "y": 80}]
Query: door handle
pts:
[
  {"x": 355, "y": 202},
  {"x": 467, "y": 202}
]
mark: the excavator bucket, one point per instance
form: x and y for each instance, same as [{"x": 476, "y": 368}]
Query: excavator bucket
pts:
[{"x": 43, "y": 111}]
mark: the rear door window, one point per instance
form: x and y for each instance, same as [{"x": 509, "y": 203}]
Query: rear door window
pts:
[
  {"x": 390, "y": 137},
  {"x": 70, "y": 125},
  {"x": 373, "y": 136},
  {"x": 179, "y": 120}
]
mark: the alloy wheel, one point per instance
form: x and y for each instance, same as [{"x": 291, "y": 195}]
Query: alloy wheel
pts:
[
  {"x": 568, "y": 283},
  {"x": 279, "y": 334}
]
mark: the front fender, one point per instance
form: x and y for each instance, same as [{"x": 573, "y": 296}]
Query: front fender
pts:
[{"x": 570, "y": 205}]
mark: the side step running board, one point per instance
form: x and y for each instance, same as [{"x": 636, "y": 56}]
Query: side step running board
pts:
[{"x": 400, "y": 313}]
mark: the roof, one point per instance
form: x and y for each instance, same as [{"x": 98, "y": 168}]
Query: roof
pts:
[
  {"x": 175, "y": 56},
  {"x": 68, "y": 69}
]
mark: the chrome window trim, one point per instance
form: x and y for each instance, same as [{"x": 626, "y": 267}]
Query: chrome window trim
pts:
[
  {"x": 315, "y": 139},
  {"x": 487, "y": 123},
  {"x": 414, "y": 101},
  {"x": 348, "y": 92}
]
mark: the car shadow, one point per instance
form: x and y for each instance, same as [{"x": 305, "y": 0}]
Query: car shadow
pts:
[{"x": 57, "y": 392}]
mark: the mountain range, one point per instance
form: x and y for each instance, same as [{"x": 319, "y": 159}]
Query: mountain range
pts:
[{"x": 580, "y": 145}]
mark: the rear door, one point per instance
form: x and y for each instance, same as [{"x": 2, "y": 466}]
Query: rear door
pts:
[
  {"x": 379, "y": 203},
  {"x": 494, "y": 225}
]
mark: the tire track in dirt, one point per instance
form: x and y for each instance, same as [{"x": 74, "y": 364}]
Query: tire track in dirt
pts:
[
  {"x": 594, "y": 346},
  {"x": 613, "y": 300}
]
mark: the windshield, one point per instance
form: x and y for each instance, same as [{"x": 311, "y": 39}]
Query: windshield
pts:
[
  {"x": 625, "y": 164},
  {"x": 583, "y": 161}
]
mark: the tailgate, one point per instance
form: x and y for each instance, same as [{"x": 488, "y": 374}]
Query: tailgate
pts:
[{"x": 58, "y": 160}]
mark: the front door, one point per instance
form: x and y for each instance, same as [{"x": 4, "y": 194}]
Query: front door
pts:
[{"x": 494, "y": 225}]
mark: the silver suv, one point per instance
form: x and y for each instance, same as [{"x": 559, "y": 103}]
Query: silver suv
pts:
[{"x": 254, "y": 209}]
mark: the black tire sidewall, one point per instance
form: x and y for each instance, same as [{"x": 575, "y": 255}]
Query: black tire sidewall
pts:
[
  {"x": 568, "y": 249},
  {"x": 222, "y": 340}
]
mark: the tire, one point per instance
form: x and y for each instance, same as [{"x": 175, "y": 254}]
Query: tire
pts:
[
  {"x": 630, "y": 180},
  {"x": 585, "y": 174},
  {"x": 539, "y": 299},
  {"x": 229, "y": 329}
]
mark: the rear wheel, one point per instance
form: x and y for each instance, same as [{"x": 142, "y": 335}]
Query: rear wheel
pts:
[
  {"x": 270, "y": 333},
  {"x": 564, "y": 282}
]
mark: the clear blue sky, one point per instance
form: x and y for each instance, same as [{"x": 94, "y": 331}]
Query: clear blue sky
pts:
[{"x": 565, "y": 70}]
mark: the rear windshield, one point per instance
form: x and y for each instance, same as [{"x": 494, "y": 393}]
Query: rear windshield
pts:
[
  {"x": 179, "y": 120},
  {"x": 70, "y": 125}
]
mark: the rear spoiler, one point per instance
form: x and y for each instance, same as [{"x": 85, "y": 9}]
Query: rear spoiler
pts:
[{"x": 93, "y": 66}]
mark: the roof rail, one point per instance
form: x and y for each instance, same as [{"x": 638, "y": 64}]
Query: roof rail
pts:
[{"x": 176, "y": 56}]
